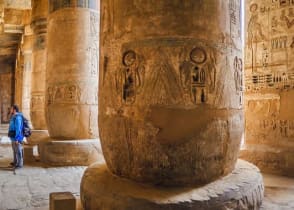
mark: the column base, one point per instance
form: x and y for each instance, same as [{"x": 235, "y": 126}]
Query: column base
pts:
[
  {"x": 242, "y": 189},
  {"x": 70, "y": 152},
  {"x": 274, "y": 160},
  {"x": 37, "y": 137}
]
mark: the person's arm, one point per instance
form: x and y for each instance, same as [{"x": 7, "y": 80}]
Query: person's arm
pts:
[{"x": 18, "y": 128}]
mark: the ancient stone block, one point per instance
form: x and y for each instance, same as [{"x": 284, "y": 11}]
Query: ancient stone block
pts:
[
  {"x": 29, "y": 153},
  {"x": 62, "y": 201}
]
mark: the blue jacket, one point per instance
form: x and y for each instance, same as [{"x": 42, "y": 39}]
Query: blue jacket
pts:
[{"x": 16, "y": 124}]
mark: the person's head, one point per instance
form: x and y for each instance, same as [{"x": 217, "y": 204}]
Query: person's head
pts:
[{"x": 14, "y": 109}]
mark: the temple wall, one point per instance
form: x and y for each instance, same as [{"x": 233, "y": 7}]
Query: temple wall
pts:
[
  {"x": 269, "y": 70},
  {"x": 6, "y": 91}
]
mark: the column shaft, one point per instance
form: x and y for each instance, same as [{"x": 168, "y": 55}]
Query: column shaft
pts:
[
  {"x": 39, "y": 21},
  {"x": 170, "y": 89}
]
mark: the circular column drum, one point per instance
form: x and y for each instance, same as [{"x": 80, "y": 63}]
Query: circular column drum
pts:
[{"x": 170, "y": 89}]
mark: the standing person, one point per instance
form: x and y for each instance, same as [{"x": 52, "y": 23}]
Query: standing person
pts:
[{"x": 16, "y": 135}]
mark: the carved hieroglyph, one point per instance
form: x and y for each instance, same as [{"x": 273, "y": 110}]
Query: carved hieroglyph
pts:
[
  {"x": 170, "y": 89},
  {"x": 26, "y": 49},
  {"x": 72, "y": 85},
  {"x": 39, "y": 15},
  {"x": 269, "y": 70}
]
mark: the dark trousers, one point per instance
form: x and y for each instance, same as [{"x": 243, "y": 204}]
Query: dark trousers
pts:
[{"x": 17, "y": 154}]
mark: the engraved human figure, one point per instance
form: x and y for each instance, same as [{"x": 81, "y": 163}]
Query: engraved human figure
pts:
[
  {"x": 287, "y": 19},
  {"x": 255, "y": 33}
]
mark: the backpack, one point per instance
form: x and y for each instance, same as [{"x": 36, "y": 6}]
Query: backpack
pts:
[{"x": 26, "y": 130}]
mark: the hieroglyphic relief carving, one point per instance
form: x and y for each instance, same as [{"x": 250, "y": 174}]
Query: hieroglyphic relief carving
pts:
[
  {"x": 67, "y": 93},
  {"x": 131, "y": 78},
  {"x": 37, "y": 102},
  {"x": 93, "y": 50},
  {"x": 270, "y": 81},
  {"x": 283, "y": 128},
  {"x": 57, "y": 4},
  {"x": 192, "y": 76},
  {"x": 269, "y": 73},
  {"x": 255, "y": 33},
  {"x": 235, "y": 21},
  {"x": 198, "y": 75},
  {"x": 238, "y": 75},
  {"x": 163, "y": 87}
]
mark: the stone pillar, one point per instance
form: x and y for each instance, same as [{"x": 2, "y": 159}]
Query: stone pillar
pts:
[
  {"x": 269, "y": 83},
  {"x": 39, "y": 26},
  {"x": 18, "y": 79},
  {"x": 27, "y": 71},
  {"x": 38, "y": 85},
  {"x": 72, "y": 84},
  {"x": 170, "y": 102}
]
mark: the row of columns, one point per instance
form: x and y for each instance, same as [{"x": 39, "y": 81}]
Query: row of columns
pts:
[{"x": 56, "y": 80}]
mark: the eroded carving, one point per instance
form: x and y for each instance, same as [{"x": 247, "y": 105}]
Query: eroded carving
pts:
[
  {"x": 67, "y": 93},
  {"x": 269, "y": 70},
  {"x": 132, "y": 76},
  {"x": 238, "y": 75},
  {"x": 198, "y": 75}
]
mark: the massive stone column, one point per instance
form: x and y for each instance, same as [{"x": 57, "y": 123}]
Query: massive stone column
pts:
[
  {"x": 270, "y": 86},
  {"x": 170, "y": 105},
  {"x": 27, "y": 71},
  {"x": 39, "y": 58},
  {"x": 18, "y": 79},
  {"x": 39, "y": 26},
  {"x": 72, "y": 84}
]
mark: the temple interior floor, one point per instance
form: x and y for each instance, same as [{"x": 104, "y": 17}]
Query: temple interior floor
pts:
[{"x": 29, "y": 188}]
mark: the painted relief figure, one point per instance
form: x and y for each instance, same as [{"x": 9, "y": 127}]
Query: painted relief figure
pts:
[
  {"x": 132, "y": 77},
  {"x": 288, "y": 19},
  {"x": 255, "y": 33}
]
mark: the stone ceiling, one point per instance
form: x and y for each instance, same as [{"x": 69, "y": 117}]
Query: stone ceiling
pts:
[{"x": 14, "y": 14}]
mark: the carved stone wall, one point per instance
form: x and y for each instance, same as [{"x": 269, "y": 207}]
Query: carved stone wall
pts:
[
  {"x": 39, "y": 60},
  {"x": 72, "y": 68},
  {"x": 170, "y": 89},
  {"x": 269, "y": 69},
  {"x": 6, "y": 91}
]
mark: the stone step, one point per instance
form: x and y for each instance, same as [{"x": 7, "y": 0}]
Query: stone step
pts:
[{"x": 4, "y": 129}]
